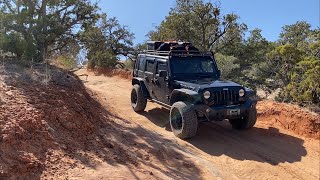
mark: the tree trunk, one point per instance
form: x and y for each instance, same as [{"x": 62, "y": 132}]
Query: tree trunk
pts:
[
  {"x": 42, "y": 52},
  {"x": 42, "y": 43},
  {"x": 204, "y": 47}
]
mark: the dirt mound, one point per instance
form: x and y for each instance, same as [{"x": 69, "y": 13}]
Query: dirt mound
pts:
[
  {"x": 38, "y": 119},
  {"x": 48, "y": 128},
  {"x": 290, "y": 117}
]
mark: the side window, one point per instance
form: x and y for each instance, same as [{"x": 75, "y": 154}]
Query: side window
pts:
[
  {"x": 161, "y": 66},
  {"x": 149, "y": 65},
  {"x": 142, "y": 63}
]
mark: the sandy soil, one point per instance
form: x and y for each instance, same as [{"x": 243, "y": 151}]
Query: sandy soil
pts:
[{"x": 271, "y": 150}]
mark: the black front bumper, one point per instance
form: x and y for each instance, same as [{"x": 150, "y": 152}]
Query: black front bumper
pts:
[{"x": 219, "y": 113}]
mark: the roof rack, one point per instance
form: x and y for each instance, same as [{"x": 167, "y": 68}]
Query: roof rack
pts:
[{"x": 178, "y": 53}]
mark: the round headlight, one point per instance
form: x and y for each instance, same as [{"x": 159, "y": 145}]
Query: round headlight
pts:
[
  {"x": 241, "y": 92},
  {"x": 207, "y": 94}
]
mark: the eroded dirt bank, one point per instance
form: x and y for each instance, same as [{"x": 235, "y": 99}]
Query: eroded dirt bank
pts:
[{"x": 290, "y": 117}]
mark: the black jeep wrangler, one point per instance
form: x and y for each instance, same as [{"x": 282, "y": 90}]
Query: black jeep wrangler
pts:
[{"x": 181, "y": 78}]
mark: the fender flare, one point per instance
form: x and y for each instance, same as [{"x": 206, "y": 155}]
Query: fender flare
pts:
[
  {"x": 141, "y": 83},
  {"x": 184, "y": 95}
]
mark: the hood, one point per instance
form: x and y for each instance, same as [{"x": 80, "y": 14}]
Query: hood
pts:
[{"x": 197, "y": 85}]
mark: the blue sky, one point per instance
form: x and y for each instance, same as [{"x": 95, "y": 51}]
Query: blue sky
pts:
[{"x": 269, "y": 15}]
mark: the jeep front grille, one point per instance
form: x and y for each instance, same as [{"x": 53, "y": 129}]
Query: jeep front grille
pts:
[{"x": 226, "y": 97}]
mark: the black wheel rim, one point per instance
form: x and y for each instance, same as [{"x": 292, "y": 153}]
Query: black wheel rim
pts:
[
  {"x": 134, "y": 97},
  {"x": 176, "y": 119}
]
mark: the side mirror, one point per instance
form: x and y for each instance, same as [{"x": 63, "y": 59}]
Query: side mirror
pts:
[{"x": 163, "y": 73}]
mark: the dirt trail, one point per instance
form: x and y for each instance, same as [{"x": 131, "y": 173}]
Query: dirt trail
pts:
[{"x": 267, "y": 151}]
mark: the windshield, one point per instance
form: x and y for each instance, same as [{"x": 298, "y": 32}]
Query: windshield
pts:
[{"x": 192, "y": 66}]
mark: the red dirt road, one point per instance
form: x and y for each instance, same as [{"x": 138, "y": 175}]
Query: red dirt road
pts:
[{"x": 268, "y": 151}]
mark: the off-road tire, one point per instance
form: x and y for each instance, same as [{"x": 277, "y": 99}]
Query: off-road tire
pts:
[
  {"x": 189, "y": 121},
  {"x": 138, "y": 100},
  {"x": 246, "y": 122}
]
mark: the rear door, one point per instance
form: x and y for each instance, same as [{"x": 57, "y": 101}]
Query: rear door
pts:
[
  {"x": 160, "y": 84},
  {"x": 148, "y": 74}
]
